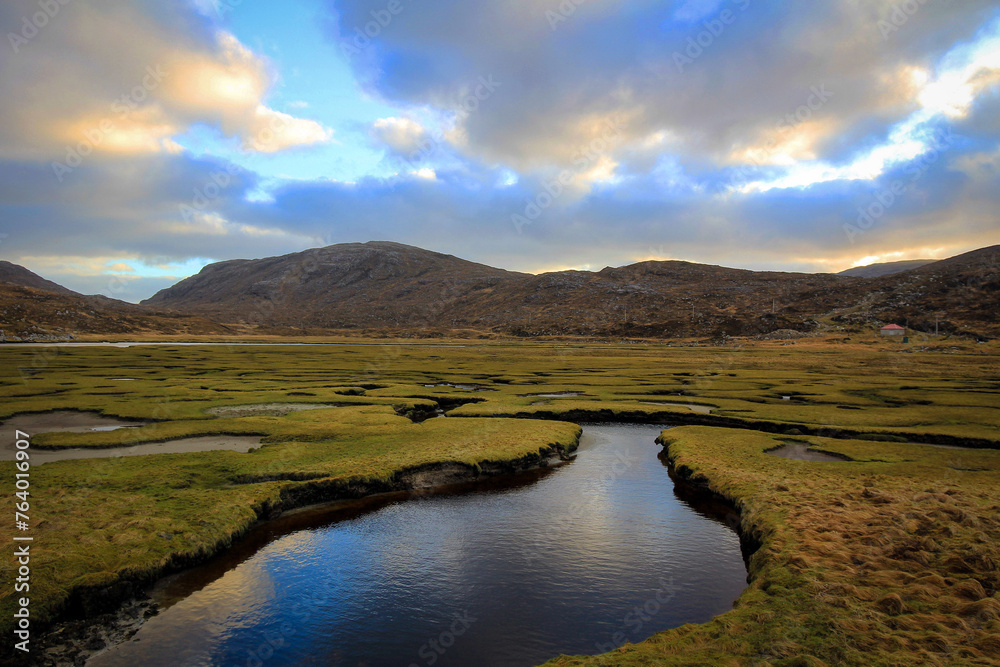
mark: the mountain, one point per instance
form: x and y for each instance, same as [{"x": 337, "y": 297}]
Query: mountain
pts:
[
  {"x": 885, "y": 268},
  {"x": 375, "y": 285},
  {"x": 655, "y": 299},
  {"x": 32, "y": 308},
  {"x": 961, "y": 293},
  {"x": 15, "y": 274},
  {"x": 382, "y": 286}
]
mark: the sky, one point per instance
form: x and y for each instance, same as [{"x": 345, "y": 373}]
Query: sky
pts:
[{"x": 142, "y": 140}]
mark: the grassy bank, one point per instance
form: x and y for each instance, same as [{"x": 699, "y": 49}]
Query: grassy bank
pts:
[
  {"x": 102, "y": 525},
  {"x": 888, "y": 559},
  {"x": 879, "y": 387}
]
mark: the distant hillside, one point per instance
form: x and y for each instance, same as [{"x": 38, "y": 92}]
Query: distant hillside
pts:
[
  {"x": 376, "y": 284},
  {"x": 390, "y": 287},
  {"x": 963, "y": 292},
  {"x": 657, "y": 299},
  {"x": 15, "y": 274},
  {"x": 32, "y": 308},
  {"x": 381, "y": 285},
  {"x": 383, "y": 288},
  {"x": 885, "y": 268}
]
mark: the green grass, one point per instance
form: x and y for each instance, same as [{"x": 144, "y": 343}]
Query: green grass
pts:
[
  {"x": 102, "y": 522},
  {"x": 890, "y": 559}
]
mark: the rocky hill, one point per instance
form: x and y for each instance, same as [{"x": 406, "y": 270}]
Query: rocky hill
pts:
[
  {"x": 352, "y": 285},
  {"x": 393, "y": 287},
  {"x": 961, "y": 293},
  {"x": 31, "y": 314},
  {"x": 885, "y": 268},
  {"x": 384, "y": 288},
  {"x": 15, "y": 274}
]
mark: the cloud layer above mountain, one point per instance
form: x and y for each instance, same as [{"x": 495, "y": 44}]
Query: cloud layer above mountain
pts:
[{"x": 143, "y": 140}]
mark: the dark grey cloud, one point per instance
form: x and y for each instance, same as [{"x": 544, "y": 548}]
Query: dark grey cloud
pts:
[
  {"x": 619, "y": 57},
  {"x": 533, "y": 99},
  {"x": 952, "y": 203}
]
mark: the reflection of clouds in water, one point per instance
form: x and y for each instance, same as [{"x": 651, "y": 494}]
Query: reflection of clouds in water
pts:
[
  {"x": 189, "y": 633},
  {"x": 379, "y": 586},
  {"x": 420, "y": 548},
  {"x": 617, "y": 515}
]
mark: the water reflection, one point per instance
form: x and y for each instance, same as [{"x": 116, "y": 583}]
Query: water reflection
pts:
[{"x": 573, "y": 560}]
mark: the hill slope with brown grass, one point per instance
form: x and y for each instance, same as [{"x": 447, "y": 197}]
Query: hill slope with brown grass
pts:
[
  {"x": 15, "y": 274},
  {"x": 885, "y": 268},
  {"x": 352, "y": 285},
  {"x": 390, "y": 286},
  {"x": 31, "y": 314},
  {"x": 961, "y": 293}
]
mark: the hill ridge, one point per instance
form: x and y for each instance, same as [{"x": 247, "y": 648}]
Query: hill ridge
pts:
[{"x": 383, "y": 285}]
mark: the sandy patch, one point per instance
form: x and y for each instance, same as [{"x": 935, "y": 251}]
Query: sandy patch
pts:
[
  {"x": 265, "y": 409},
  {"x": 693, "y": 407},
  {"x": 207, "y": 443},
  {"x": 800, "y": 452},
  {"x": 66, "y": 420}
]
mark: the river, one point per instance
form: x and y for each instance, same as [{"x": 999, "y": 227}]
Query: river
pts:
[{"x": 575, "y": 559}]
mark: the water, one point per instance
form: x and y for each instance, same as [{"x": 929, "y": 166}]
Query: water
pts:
[
  {"x": 572, "y": 560},
  {"x": 205, "y": 443},
  {"x": 799, "y": 451}
]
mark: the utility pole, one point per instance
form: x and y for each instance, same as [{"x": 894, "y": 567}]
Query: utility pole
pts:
[
  {"x": 937, "y": 319},
  {"x": 773, "y": 301}
]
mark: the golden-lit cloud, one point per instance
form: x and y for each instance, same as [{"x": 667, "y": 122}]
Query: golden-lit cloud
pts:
[
  {"x": 118, "y": 82},
  {"x": 120, "y": 267},
  {"x": 271, "y": 131},
  {"x": 145, "y": 130},
  {"x": 404, "y": 135},
  {"x": 846, "y": 261},
  {"x": 786, "y": 144}
]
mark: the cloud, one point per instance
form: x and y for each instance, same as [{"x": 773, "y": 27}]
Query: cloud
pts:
[
  {"x": 105, "y": 77},
  {"x": 119, "y": 267},
  {"x": 404, "y": 136},
  {"x": 950, "y": 206},
  {"x": 161, "y": 208},
  {"x": 762, "y": 146},
  {"x": 620, "y": 59}
]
